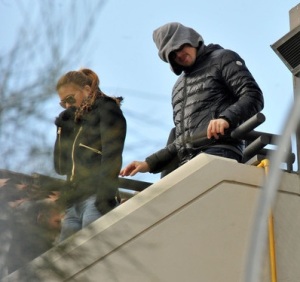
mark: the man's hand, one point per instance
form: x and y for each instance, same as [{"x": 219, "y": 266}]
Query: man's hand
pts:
[
  {"x": 134, "y": 167},
  {"x": 216, "y": 127}
]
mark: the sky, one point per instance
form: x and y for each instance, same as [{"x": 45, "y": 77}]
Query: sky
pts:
[{"x": 126, "y": 60}]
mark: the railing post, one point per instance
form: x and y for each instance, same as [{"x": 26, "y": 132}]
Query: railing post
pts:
[{"x": 294, "y": 14}]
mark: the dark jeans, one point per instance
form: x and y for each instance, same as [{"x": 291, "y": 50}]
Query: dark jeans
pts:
[{"x": 222, "y": 152}]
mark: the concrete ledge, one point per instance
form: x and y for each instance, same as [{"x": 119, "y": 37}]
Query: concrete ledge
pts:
[{"x": 190, "y": 223}]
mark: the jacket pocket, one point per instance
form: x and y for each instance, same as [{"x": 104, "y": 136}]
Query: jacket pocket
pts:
[{"x": 90, "y": 148}]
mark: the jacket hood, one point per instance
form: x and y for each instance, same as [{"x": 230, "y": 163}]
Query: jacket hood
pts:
[{"x": 170, "y": 37}]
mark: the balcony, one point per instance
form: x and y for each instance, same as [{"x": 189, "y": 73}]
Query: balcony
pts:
[{"x": 192, "y": 225}]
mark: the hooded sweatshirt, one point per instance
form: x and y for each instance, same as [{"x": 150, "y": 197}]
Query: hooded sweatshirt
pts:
[
  {"x": 170, "y": 37},
  {"x": 217, "y": 85}
]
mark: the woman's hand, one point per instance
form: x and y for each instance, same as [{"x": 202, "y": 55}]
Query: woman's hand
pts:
[{"x": 135, "y": 167}]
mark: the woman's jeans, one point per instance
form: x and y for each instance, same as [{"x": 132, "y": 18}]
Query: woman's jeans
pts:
[{"x": 78, "y": 216}]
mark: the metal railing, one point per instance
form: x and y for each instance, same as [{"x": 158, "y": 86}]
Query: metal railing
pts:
[{"x": 255, "y": 141}]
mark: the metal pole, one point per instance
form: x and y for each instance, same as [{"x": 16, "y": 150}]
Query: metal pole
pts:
[
  {"x": 272, "y": 248},
  {"x": 294, "y": 14},
  {"x": 268, "y": 195}
]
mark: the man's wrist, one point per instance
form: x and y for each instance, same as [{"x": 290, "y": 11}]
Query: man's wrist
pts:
[{"x": 226, "y": 118}]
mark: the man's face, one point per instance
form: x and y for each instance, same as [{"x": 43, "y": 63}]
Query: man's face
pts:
[{"x": 184, "y": 56}]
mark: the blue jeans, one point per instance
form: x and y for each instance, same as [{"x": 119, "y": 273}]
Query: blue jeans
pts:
[
  {"x": 222, "y": 152},
  {"x": 78, "y": 216}
]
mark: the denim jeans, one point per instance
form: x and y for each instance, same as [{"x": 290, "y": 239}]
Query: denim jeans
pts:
[
  {"x": 78, "y": 216},
  {"x": 222, "y": 152}
]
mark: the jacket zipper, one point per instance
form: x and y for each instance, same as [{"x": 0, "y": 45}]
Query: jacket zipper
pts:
[
  {"x": 73, "y": 154},
  {"x": 183, "y": 112},
  {"x": 59, "y": 148}
]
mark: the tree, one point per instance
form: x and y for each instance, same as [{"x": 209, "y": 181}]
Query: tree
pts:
[{"x": 51, "y": 37}]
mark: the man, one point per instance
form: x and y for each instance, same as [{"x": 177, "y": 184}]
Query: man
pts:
[{"x": 214, "y": 93}]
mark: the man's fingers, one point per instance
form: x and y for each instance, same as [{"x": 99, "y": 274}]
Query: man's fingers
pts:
[{"x": 216, "y": 127}]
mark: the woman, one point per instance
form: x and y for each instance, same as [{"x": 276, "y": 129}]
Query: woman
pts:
[{"x": 88, "y": 150}]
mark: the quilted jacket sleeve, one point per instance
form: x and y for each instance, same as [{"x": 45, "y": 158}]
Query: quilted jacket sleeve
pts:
[
  {"x": 242, "y": 85},
  {"x": 162, "y": 158}
]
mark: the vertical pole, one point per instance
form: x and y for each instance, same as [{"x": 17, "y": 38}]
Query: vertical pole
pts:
[
  {"x": 272, "y": 248},
  {"x": 294, "y": 14}
]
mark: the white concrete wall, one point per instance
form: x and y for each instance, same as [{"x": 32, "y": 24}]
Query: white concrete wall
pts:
[{"x": 193, "y": 225}]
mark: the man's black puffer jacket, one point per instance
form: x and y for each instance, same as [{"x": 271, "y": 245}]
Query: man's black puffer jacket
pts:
[{"x": 217, "y": 85}]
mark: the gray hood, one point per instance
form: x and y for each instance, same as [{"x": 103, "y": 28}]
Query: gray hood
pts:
[{"x": 170, "y": 37}]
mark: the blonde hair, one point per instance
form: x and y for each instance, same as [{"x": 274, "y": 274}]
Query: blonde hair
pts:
[{"x": 82, "y": 78}]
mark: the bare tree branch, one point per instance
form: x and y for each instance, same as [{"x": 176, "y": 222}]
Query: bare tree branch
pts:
[{"x": 53, "y": 35}]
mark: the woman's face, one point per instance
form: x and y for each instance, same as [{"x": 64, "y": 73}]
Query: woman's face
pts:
[{"x": 72, "y": 95}]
